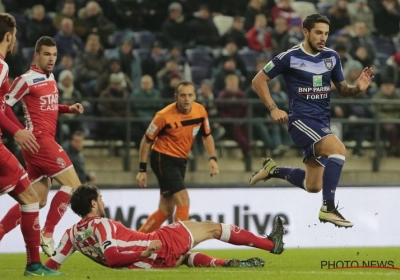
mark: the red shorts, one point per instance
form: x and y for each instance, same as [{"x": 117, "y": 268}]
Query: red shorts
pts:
[
  {"x": 50, "y": 161},
  {"x": 176, "y": 241},
  {"x": 13, "y": 177}
]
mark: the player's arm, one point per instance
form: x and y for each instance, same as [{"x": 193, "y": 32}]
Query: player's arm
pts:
[
  {"x": 361, "y": 85},
  {"x": 76, "y": 108},
  {"x": 152, "y": 131},
  {"x": 271, "y": 70},
  {"x": 63, "y": 251},
  {"x": 105, "y": 233},
  {"x": 208, "y": 142}
]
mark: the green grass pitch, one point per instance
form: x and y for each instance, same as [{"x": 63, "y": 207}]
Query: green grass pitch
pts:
[{"x": 292, "y": 264}]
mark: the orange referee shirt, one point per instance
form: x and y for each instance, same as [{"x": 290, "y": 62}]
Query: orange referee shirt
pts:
[{"x": 173, "y": 132}]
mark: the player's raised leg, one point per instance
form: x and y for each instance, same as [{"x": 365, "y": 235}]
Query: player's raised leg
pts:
[
  {"x": 68, "y": 179},
  {"x": 237, "y": 236},
  {"x": 269, "y": 169}
]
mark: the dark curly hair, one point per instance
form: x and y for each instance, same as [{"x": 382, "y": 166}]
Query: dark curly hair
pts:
[
  {"x": 310, "y": 21},
  {"x": 7, "y": 24},
  {"x": 81, "y": 199}
]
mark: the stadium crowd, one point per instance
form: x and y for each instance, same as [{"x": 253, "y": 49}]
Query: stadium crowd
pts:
[{"x": 140, "y": 50}]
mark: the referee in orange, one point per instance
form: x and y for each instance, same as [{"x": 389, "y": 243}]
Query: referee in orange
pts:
[{"x": 170, "y": 137}]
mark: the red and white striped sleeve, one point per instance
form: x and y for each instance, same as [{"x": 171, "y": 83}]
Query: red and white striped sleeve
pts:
[
  {"x": 106, "y": 232},
  {"x": 63, "y": 251},
  {"x": 18, "y": 89},
  {"x": 3, "y": 72}
]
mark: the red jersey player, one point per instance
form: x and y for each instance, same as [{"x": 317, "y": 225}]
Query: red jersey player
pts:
[
  {"x": 111, "y": 244},
  {"x": 37, "y": 89},
  {"x": 13, "y": 178}
]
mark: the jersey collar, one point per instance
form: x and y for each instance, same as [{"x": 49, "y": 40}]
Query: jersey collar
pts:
[
  {"x": 304, "y": 50},
  {"x": 36, "y": 69}
]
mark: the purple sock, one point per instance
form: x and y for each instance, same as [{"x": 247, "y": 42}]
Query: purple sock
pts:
[
  {"x": 330, "y": 179},
  {"x": 294, "y": 176}
]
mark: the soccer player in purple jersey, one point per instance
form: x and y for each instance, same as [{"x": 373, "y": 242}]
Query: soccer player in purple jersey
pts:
[{"x": 308, "y": 70}]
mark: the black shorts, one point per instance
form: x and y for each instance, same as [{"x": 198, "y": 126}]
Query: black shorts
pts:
[{"x": 170, "y": 172}]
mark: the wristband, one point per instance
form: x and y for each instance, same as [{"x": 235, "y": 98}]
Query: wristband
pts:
[
  {"x": 142, "y": 166},
  {"x": 213, "y": 157}
]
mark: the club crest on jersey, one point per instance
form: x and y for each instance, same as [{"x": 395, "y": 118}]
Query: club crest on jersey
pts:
[
  {"x": 328, "y": 63},
  {"x": 61, "y": 163}
]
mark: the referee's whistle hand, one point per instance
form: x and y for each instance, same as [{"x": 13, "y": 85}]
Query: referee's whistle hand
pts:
[{"x": 141, "y": 179}]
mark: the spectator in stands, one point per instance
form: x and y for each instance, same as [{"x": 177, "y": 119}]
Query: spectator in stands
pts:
[
  {"x": 206, "y": 97},
  {"x": 361, "y": 38},
  {"x": 229, "y": 67},
  {"x": 388, "y": 92},
  {"x": 339, "y": 16},
  {"x": 283, "y": 9},
  {"x": 145, "y": 103},
  {"x": 16, "y": 62},
  {"x": 91, "y": 63},
  {"x": 66, "y": 63},
  {"x": 114, "y": 66},
  {"x": 130, "y": 62},
  {"x": 387, "y": 18},
  {"x": 236, "y": 33},
  {"x": 204, "y": 30},
  {"x": 230, "y": 51},
  {"x": 154, "y": 14},
  {"x": 271, "y": 134},
  {"x": 175, "y": 53},
  {"x": 342, "y": 51},
  {"x": 355, "y": 110},
  {"x": 280, "y": 36},
  {"x": 165, "y": 74},
  {"x": 69, "y": 95},
  {"x": 361, "y": 12},
  {"x": 176, "y": 28},
  {"x": 174, "y": 78},
  {"x": 115, "y": 109},
  {"x": 130, "y": 14},
  {"x": 74, "y": 147},
  {"x": 67, "y": 41},
  {"x": 68, "y": 11},
  {"x": 237, "y": 112},
  {"x": 254, "y": 8},
  {"x": 259, "y": 37},
  {"x": 38, "y": 25},
  {"x": 96, "y": 22},
  {"x": 154, "y": 61}
]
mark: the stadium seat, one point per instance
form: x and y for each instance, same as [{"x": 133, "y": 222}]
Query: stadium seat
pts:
[
  {"x": 323, "y": 7},
  {"x": 249, "y": 58},
  {"x": 144, "y": 39},
  {"x": 223, "y": 23},
  {"x": 199, "y": 57},
  {"x": 198, "y": 74},
  {"x": 304, "y": 8},
  {"x": 116, "y": 38},
  {"x": 27, "y": 53}
]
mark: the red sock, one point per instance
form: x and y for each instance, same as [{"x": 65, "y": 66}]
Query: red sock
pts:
[
  {"x": 58, "y": 206},
  {"x": 201, "y": 260},
  {"x": 30, "y": 228},
  {"x": 235, "y": 235},
  {"x": 11, "y": 220}
]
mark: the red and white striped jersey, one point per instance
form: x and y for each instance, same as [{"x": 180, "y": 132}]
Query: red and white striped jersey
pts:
[
  {"x": 39, "y": 95},
  {"x": 94, "y": 235},
  {"x": 4, "y": 84}
]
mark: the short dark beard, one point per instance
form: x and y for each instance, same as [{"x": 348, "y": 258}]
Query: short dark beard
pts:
[{"x": 312, "y": 47}]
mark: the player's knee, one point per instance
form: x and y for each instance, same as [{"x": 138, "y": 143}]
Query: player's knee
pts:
[{"x": 313, "y": 188}]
